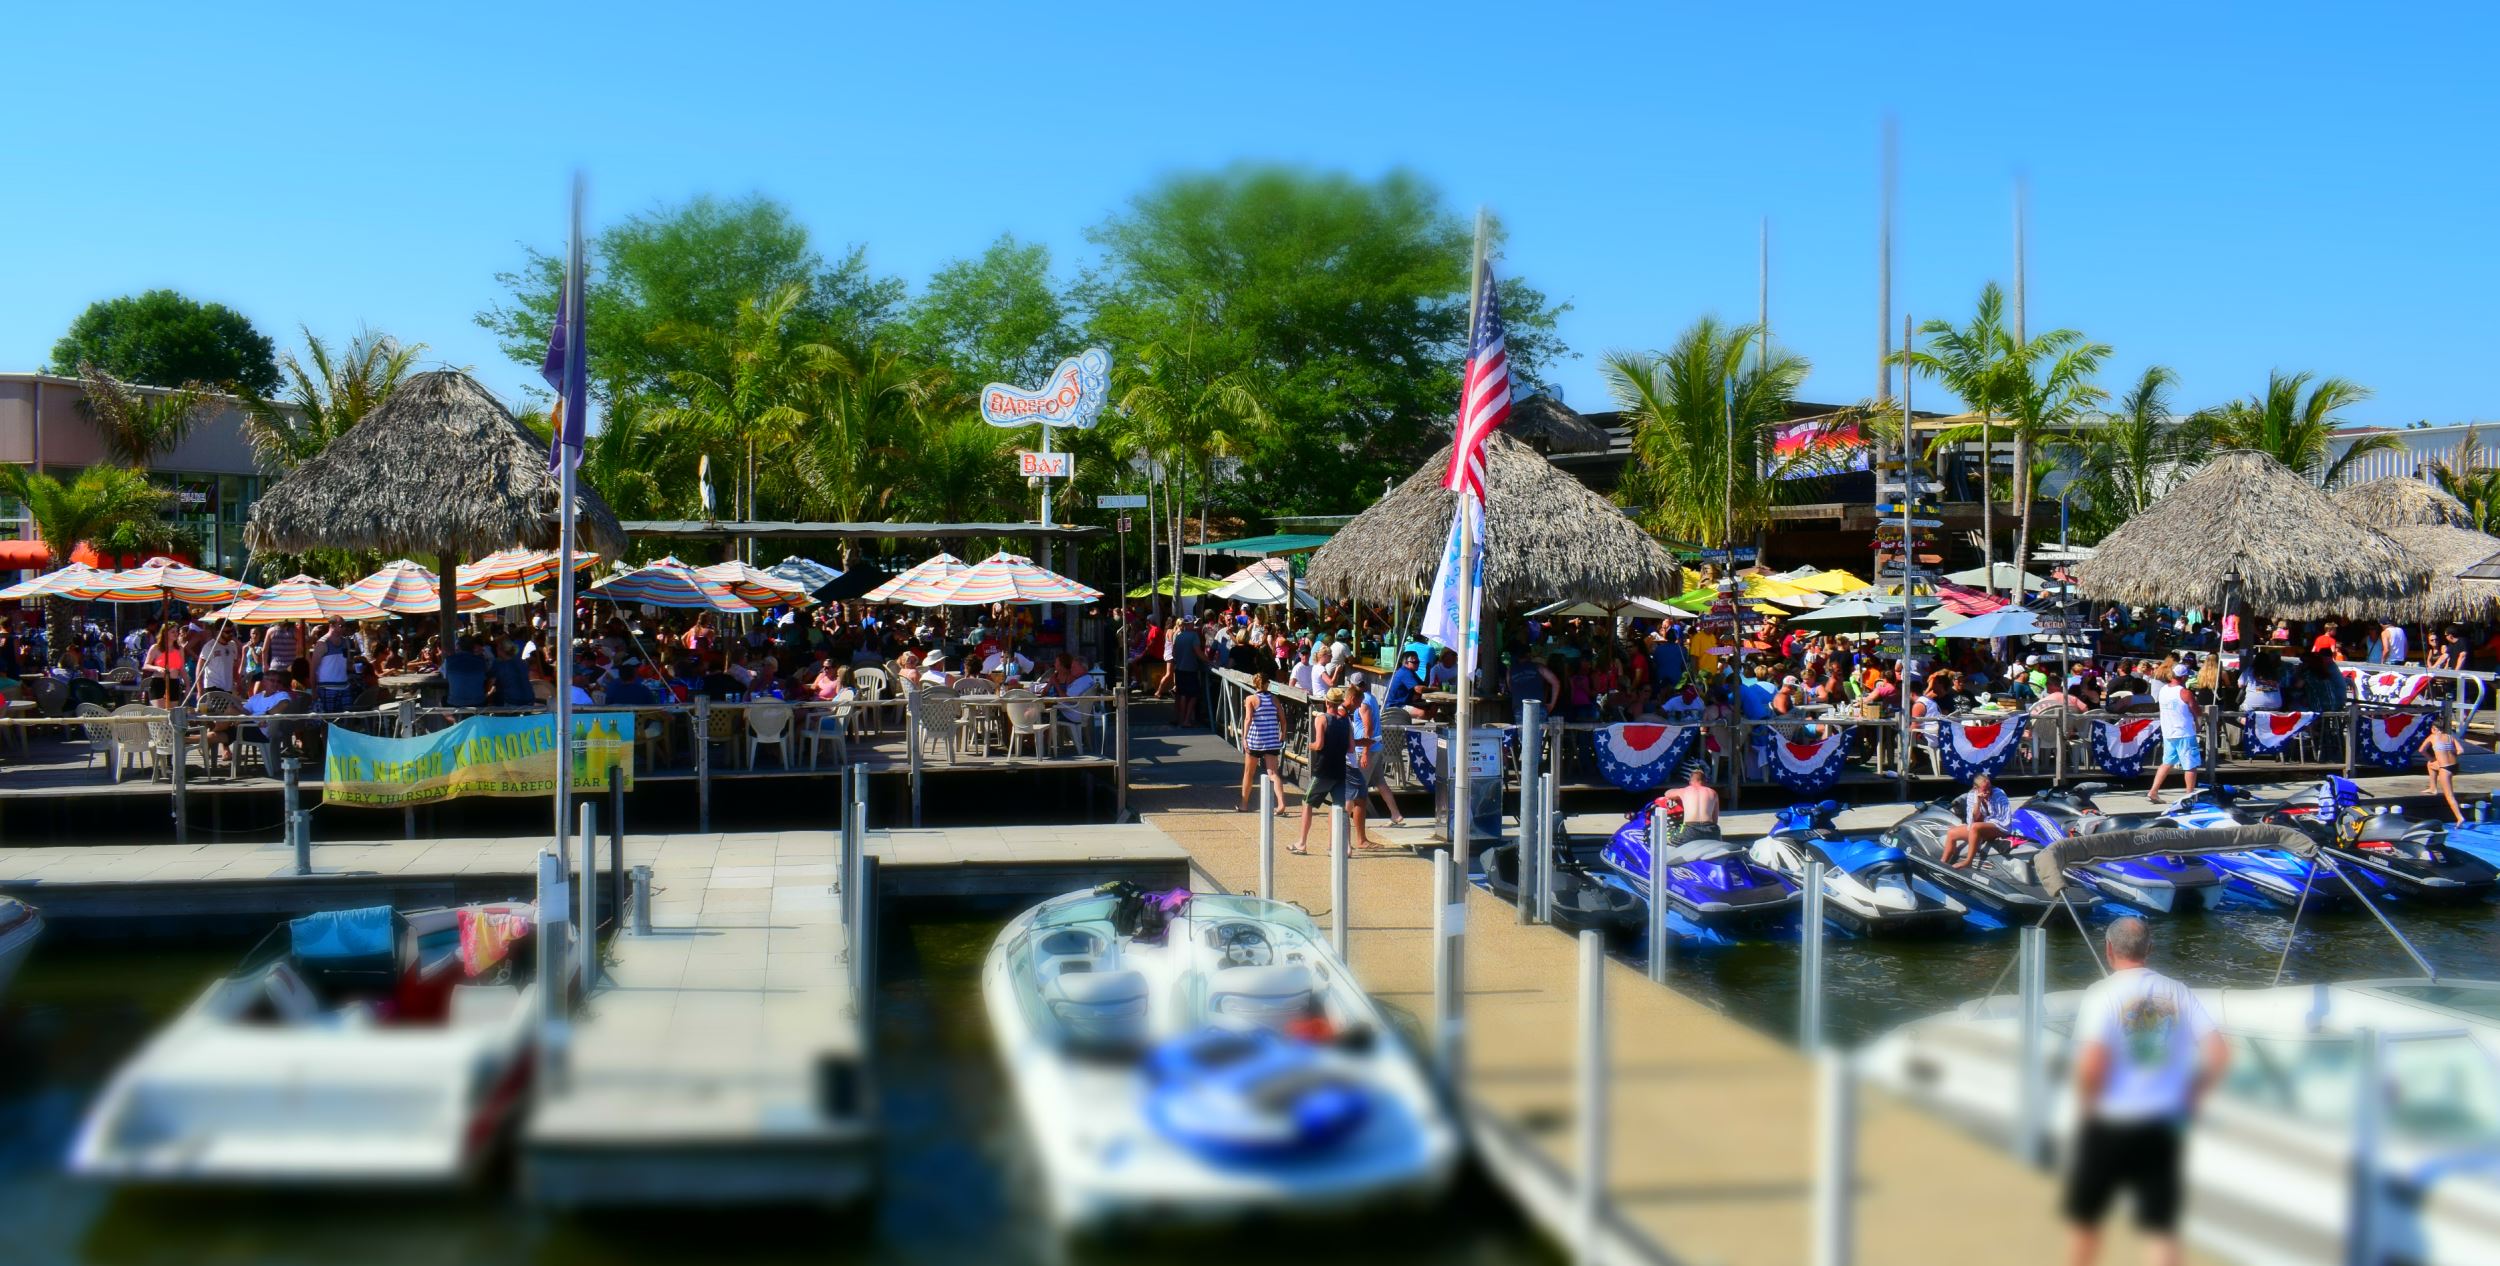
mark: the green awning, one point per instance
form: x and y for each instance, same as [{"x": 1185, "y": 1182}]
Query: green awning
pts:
[
  {"x": 1261, "y": 546},
  {"x": 1191, "y": 587}
]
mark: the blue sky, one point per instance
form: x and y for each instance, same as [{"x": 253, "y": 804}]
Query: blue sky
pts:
[{"x": 2224, "y": 189}]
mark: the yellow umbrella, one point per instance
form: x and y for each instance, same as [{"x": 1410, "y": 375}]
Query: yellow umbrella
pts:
[{"x": 1835, "y": 581}]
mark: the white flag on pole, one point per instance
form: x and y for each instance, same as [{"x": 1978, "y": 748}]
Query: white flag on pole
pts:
[{"x": 1442, "y": 620}]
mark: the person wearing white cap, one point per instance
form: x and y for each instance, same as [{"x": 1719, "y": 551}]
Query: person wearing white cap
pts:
[{"x": 2178, "y": 731}]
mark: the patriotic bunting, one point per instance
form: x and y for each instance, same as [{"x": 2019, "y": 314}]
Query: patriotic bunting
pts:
[
  {"x": 2392, "y": 688},
  {"x": 1803, "y": 767},
  {"x": 2390, "y": 741},
  {"x": 1972, "y": 748},
  {"x": 2265, "y": 733},
  {"x": 1423, "y": 753},
  {"x": 1637, "y": 756},
  {"x": 2121, "y": 747}
]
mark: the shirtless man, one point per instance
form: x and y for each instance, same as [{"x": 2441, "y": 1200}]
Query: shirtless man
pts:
[{"x": 1699, "y": 801}]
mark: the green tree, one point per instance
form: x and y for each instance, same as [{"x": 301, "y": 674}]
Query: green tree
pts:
[
  {"x": 996, "y": 318},
  {"x": 2123, "y": 461},
  {"x": 163, "y": 338},
  {"x": 2463, "y": 475},
  {"x": 1338, "y": 302},
  {"x": 87, "y": 508},
  {"x": 325, "y": 394},
  {"x": 2049, "y": 390},
  {"x": 870, "y": 407},
  {"x": 1179, "y": 414},
  {"x": 2295, "y": 421},
  {"x": 138, "y": 425},
  {"x": 659, "y": 273},
  {"x": 743, "y": 395},
  {"x": 1703, "y": 470},
  {"x": 956, "y": 474},
  {"x": 1973, "y": 361}
]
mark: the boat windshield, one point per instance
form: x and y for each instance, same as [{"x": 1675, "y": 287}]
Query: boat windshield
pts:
[
  {"x": 2481, "y": 1002},
  {"x": 1210, "y": 905},
  {"x": 2439, "y": 1089}
]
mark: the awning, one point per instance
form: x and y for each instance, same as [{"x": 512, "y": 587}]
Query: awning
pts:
[{"x": 1262, "y": 546}]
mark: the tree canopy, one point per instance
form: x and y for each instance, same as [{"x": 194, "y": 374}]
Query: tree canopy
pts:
[{"x": 166, "y": 339}]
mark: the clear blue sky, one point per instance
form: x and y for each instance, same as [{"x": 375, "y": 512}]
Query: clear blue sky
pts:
[{"x": 2225, "y": 189}]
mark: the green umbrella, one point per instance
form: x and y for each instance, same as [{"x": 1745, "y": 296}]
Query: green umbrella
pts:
[{"x": 1191, "y": 587}]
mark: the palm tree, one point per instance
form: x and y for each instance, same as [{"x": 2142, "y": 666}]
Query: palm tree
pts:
[
  {"x": 100, "y": 499},
  {"x": 139, "y": 426},
  {"x": 2122, "y": 462},
  {"x": 1974, "y": 361},
  {"x": 1180, "y": 418},
  {"x": 2049, "y": 389},
  {"x": 1703, "y": 467},
  {"x": 2295, "y": 429},
  {"x": 324, "y": 394},
  {"x": 751, "y": 399},
  {"x": 867, "y": 409},
  {"x": 960, "y": 473},
  {"x": 2465, "y": 477}
]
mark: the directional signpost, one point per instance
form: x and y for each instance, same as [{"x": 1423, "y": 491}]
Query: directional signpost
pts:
[{"x": 1073, "y": 395}]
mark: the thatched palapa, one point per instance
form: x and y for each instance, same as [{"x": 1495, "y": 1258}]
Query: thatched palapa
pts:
[
  {"x": 2298, "y": 554},
  {"x": 440, "y": 469},
  {"x": 1551, "y": 427},
  {"x": 1548, "y": 539},
  {"x": 2435, "y": 528}
]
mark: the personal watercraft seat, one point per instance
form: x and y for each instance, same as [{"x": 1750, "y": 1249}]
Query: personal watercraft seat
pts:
[
  {"x": 1099, "y": 1008},
  {"x": 1268, "y": 997},
  {"x": 2388, "y": 830}
]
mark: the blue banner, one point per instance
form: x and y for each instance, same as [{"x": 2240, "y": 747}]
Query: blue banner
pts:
[{"x": 479, "y": 756}]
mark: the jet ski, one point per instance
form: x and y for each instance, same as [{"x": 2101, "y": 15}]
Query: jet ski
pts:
[
  {"x": 1581, "y": 901},
  {"x": 1869, "y": 888},
  {"x": 2165, "y": 884},
  {"x": 2404, "y": 857},
  {"x": 1709, "y": 880},
  {"x": 2270, "y": 875},
  {"x": 2003, "y": 880}
]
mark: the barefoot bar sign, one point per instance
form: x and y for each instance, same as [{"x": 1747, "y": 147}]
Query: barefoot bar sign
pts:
[{"x": 480, "y": 756}]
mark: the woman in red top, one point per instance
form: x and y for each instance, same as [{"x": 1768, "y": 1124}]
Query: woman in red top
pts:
[{"x": 165, "y": 663}]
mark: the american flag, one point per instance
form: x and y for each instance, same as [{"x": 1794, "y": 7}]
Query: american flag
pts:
[{"x": 1485, "y": 404}]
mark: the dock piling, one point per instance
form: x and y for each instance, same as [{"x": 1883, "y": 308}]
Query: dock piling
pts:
[
  {"x": 180, "y": 722},
  {"x": 640, "y": 876},
  {"x": 1531, "y": 811},
  {"x": 1811, "y": 940},
  {"x": 589, "y": 925},
  {"x": 1119, "y": 766},
  {"x": 1336, "y": 879},
  {"x": 1449, "y": 921},
  {"x": 1590, "y": 1194},
  {"x": 616, "y": 839},
  {"x": 297, "y": 837},
  {"x": 1267, "y": 837},
  {"x": 1833, "y": 1226},
  {"x": 1661, "y": 946},
  {"x": 551, "y": 1000},
  {"x": 2031, "y": 968},
  {"x": 864, "y": 950},
  {"x": 1548, "y": 836},
  {"x": 703, "y": 763}
]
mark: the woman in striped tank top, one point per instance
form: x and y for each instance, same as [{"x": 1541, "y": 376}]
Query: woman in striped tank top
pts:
[{"x": 1262, "y": 737}]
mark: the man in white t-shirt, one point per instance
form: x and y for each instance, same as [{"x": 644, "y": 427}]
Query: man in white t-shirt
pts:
[
  {"x": 2146, "y": 1054},
  {"x": 2392, "y": 646},
  {"x": 2178, "y": 732}
]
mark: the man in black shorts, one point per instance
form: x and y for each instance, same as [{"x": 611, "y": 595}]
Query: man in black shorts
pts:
[
  {"x": 2146, "y": 1054},
  {"x": 1334, "y": 778}
]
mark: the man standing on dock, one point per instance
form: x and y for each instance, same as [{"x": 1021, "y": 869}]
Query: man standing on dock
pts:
[
  {"x": 2178, "y": 731},
  {"x": 2147, "y": 1054}
]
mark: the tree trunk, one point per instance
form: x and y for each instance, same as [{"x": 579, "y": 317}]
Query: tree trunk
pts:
[
  {"x": 1987, "y": 504},
  {"x": 447, "y": 597},
  {"x": 2022, "y": 514},
  {"x": 1178, "y": 501}
]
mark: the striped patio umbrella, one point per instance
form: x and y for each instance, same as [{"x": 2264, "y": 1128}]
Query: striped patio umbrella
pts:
[
  {"x": 76, "y": 583},
  {"x": 806, "y": 572},
  {"x": 668, "y": 583},
  {"x": 762, "y": 588},
  {"x": 162, "y": 579},
  {"x": 921, "y": 585},
  {"x": 299, "y": 598},
  {"x": 403, "y": 587},
  {"x": 516, "y": 567},
  {"x": 1012, "y": 579}
]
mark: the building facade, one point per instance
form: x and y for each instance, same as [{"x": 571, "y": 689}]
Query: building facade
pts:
[{"x": 212, "y": 474}]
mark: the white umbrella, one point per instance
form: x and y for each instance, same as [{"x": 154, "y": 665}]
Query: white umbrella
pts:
[
  {"x": 1634, "y": 608},
  {"x": 1268, "y": 582},
  {"x": 2002, "y": 622}
]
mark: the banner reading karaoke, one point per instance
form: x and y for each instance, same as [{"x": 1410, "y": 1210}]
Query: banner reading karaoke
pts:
[{"x": 479, "y": 756}]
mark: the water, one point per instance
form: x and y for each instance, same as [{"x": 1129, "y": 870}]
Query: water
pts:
[{"x": 955, "y": 1183}]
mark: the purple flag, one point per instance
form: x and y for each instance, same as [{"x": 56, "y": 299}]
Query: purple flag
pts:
[{"x": 568, "y": 375}]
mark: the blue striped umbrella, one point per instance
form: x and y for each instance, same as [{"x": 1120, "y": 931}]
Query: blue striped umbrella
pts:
[
  {"x": 806, "y": 571},
  {"x": 668, "y": 583}
]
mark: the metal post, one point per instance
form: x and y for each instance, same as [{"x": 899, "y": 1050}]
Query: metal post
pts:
[
  {"x": 179, "y": 719},
  {"x": 1547, "y": 843},
  {"x": 408, "y": 729},
  {"x": 1119, "y": 762},
  {"x": 1447, "y": 917},
  {"x": 590, "y": 896},
  {"x": 855, "y": 887},
  {"x": 702, "y": 762},
  {"x": 1591, "y": 1099},
  {"x": 1835, "y": 1161},
  {"x": 2361, "y": 1237},
  {"x": 1736, "y": 744},
  {"x": 616, "y": 839},
  {"x": 1810, "y": 984},
  {"x": 1661, "y": 942},
  {"x": 1336, "y": 879},
  {"x": 551, "y": 1001},
  {"x": 296, "y": 836},
  {"x": 641, "y": 879},
  {"x": 2032, "y": 1107},
  {"x": 1267, "y": 836},
  {"x": 1531, "y": 813},
  {"x": 2352, "y": 733},
  {"x": 911, "y": 730},
  {"x": 864, "y": 949}
]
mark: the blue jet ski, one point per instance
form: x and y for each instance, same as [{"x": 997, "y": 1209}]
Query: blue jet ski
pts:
[
  {"x": 1869, "y": 888},
  {"x": 1708, "y": 880},
  {"x": 2270, "y": 875},
  {"x": 2384, "y": 850},
  {"x": 2161, "y": 884}
]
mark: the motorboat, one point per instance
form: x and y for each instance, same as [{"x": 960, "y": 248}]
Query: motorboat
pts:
[
  {"x": 351, "y": 1048},
  {"x": 2409, "y": 858},
  {"x": 1709, "y": 880},
  {"x": 20, "y": 924},
  {"x": 2002, "y": 881},
  {"x": 2271, "y": 1159},
  {"x": 1869, "y": 888},
  {"x": 1203, "y": 1057},
  {"x": 2158, "y": 884},
  {"x": 1582, "y": 902}
]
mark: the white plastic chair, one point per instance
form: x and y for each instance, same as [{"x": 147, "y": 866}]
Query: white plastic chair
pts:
[
  {"x": 870, "y": 686},
  {"x": 830, "y": 724},
  {"x": 935, "y": 712},
  {"x": 768, "y": 725},
  {"x": 1027, "y": 718}
]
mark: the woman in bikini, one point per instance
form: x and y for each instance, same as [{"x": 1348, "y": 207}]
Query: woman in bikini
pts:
[{"x": 2444, "y": 748}]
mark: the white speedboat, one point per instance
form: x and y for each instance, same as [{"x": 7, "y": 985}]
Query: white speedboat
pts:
[
  {"x": 353, "y": 1047},
  {"x": 1202, "y": 1061},
  {"x": 20, "y": 924},
  {"x": 2271, "y": 1159}
]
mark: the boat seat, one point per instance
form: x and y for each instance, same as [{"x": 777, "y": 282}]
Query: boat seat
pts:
[
  {"x": 481, "y": 1004},
  {"x": 1268, "y": 997},
  {"x": 1099, "y": 1008}
]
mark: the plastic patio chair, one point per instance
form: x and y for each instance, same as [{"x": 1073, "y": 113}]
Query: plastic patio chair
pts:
[
  {"x": 1027, "y": 718},
  {"x": 100, "y": 738},
  {"x": 829, "y": 724},
  {"x": 936, "y": 712},
  {"x": 870, "y": 687},
  {"x": 768, "y": 725}
]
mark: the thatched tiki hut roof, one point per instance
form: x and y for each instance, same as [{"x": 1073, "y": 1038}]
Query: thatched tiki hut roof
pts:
[
  {"x": 441, "y": 468},
  {"x": 1548, "y": 538},
  {"x": 2399, "y": 501},
  {"x": 2298, "y": 554},
  {"x": 2435, "y": 528}
]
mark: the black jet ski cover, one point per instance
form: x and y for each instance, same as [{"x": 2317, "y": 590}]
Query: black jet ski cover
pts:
[{"x": 2153, "y": 841}]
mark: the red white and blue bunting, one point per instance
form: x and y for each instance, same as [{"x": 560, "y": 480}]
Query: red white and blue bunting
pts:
[
  {"x": 1423, "y": 753},
  {"x": 2392, "y": 740},
  {"x": 1810, "y": 766},
  {"x": 1972, "y": 748},
  {"x": 2121, "y": 747},
  {"x": 2266, "y": 733},
  {"x": 1637, "y": 756},
  {"x": 2393, "y": 688}
]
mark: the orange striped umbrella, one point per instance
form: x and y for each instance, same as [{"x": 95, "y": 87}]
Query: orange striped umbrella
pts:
[
  {"x": 1012, "y": 579},
  {"x": 299, "y": 598},
  {"x": 761, "y": 588},
  {"x": 668, "y": 583},
  {"x": 403, "y": 587},
  {"x": 76, "y": 583},
  {"x": 923, "y": 585},
  {"x": 162, "y": 579},
  {"x": 515, "y": 567}
]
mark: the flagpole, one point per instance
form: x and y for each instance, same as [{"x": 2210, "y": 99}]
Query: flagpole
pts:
[
  {"x": 1452, "y": 990},
  {"x": 570, "y": 316}
]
